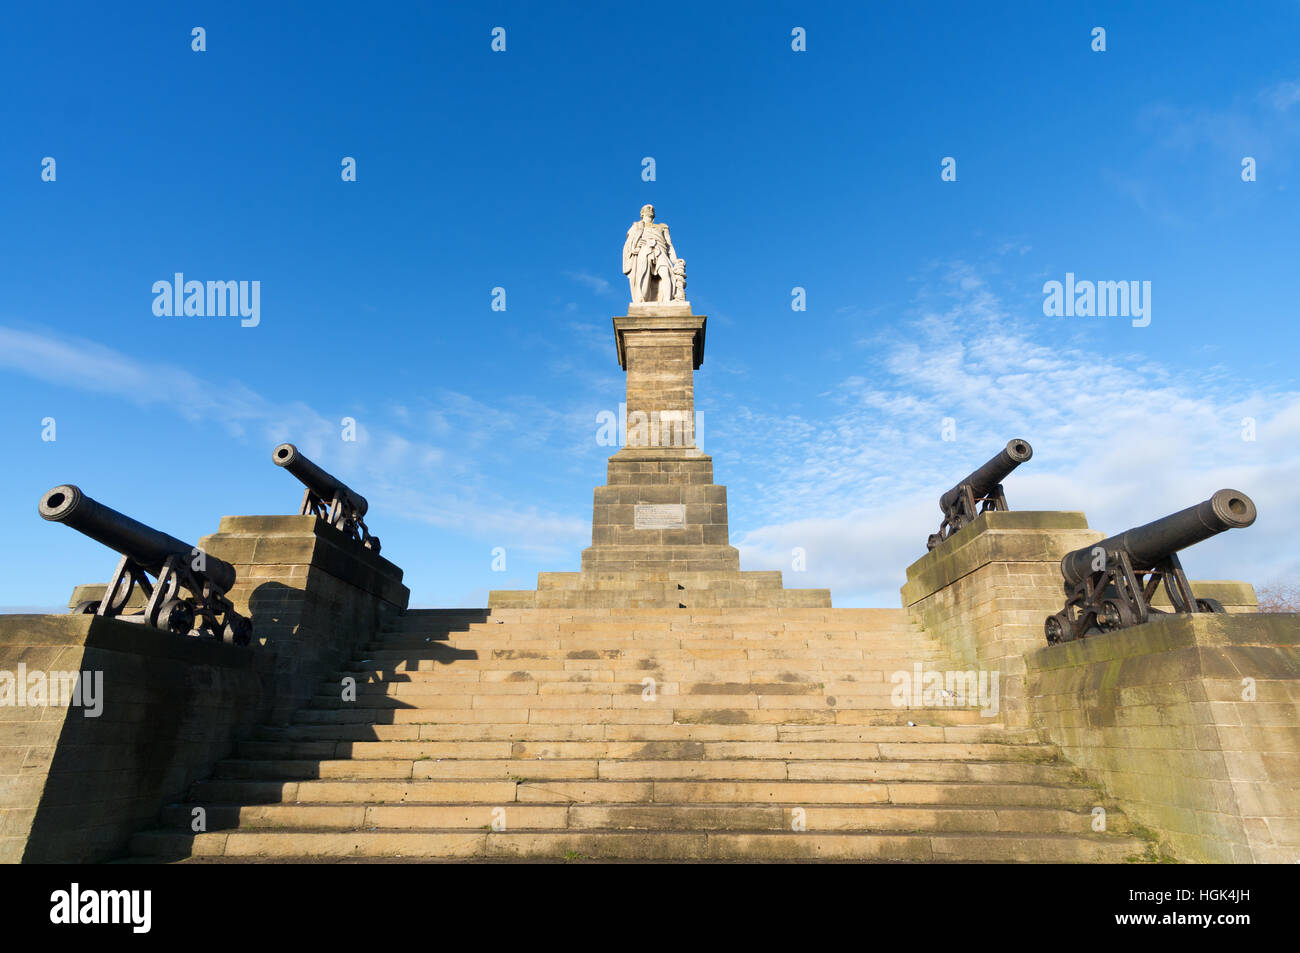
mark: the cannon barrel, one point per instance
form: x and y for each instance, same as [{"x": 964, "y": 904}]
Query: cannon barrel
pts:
[
  {"x": 314, "y": 478},
  {"x": 991, "y": 474},
  {"x": 1156, "y": 541},
  {"x": 143, "y": 544}
]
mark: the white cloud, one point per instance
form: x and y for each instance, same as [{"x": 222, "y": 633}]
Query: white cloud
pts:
[
  {"x": 405, "y": 474},
  {"x": 1283, "y": 96},
  {"x": 594, "y": 282},
  {"x": 1121, "y": 438}
]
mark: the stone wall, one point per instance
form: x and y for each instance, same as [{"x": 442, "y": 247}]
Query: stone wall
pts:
[
  {"x": 1192, "y": 722},
  {"x": 985, "y": 591},
  {"x": 1235, "y": 596},
  {"x": 73, "y": 788},
  {"x": 315, "y": 596}
]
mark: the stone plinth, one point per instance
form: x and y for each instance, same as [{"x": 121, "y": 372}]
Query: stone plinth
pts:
[
  {"x": 1190, "y": 721},
  {"x": 659, "y": 535},
  {"x": 1233, "y": 595},
  {"x": 985, "y": 591},
  {"x": 660, "y": 512},
  {"x": 660, "y": 353},
  {"x": 313, "y": 593},
  {"x": 94, "y": 592}
]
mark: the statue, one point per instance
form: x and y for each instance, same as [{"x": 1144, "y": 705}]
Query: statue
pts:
[{"x": 654, "y": 272}]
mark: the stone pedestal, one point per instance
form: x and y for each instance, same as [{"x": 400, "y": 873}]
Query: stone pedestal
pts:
[
  {"x": 314, "y": 594},
  {"x": 659, "y": 534},
  {"x": 1190, "y": 721},
  {"x": 985, "y": 591}
]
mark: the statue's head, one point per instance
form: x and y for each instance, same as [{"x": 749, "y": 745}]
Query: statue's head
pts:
[{"x": 647, "y": 213}]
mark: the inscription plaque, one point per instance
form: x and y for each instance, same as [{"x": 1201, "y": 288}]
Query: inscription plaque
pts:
[{"x": 659, "y": 516}]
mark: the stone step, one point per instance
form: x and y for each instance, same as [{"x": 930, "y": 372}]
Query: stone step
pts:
[
  {"x": 909, "y": 782},
  {"x": 634, "y": 716},
  {"x": 440, "y": 701},
  {"x": 665, "y": 582},
  {"x": 866, "y": 697},
  {"x": 642, "y": 750},
  {"x": 681, "y": 624},
  {"x": 764, "y": 769},
  {"x": 696, "y": 581},
  {"x": 834, "y": 684},
  {"x": 444, "y": 615},
  {"x": 488, "y": 669},
  {"x": 665, "y": 674},
  {"x": 659, "y": 845},
  {"x": 818, "y": 615},
  {"x": 651, "y": 598},
  {"x": 661, "y": 650},
  {"x": 954, "y": 734},
  {"x": 595, "y": 815},
  {"x": 903, "y": 643},
  {"x": 680, "y": 620},
  {"x": 631, "y": 670},
  {"x": 644, "y": 648}
]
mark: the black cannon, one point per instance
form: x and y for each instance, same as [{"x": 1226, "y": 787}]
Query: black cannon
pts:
[
  {"x": 146, "y": 552},
  {"x": 326, "y": 497},
  {"x": 1109, "y": 585},
  {"x": 982, "y": 488}
]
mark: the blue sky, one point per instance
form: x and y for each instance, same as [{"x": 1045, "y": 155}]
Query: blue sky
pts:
[{"x": 522, "y": 169}]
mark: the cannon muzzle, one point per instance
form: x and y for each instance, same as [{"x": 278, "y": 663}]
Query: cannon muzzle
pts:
[
  {"x": 325, "y": 486},
  {"x": 1155, "y": 542},
  {"x": 175, "y": 566},
  {"x": 1109, "y": 584},
  {"x": 327, "y": 497},
  {"x": 141, "y": 544},
  {"x": 980, "y": 492},
  {"x": 983, "y": 480}
]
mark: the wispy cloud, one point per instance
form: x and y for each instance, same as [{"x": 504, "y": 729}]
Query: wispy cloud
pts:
[
  {"x": 853, "y": 480},
  {"x": 1283, "y": 96},
  {"x": 596, "y": 283},
  {"x": 437, "y": 470},
  {"x": 1122, "y": 438}
]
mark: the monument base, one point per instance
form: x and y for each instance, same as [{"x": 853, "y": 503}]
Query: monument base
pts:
[{"x": 659, "y": 537}]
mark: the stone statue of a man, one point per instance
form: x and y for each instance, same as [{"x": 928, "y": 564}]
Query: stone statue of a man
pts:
[{"x": 654, "y": 272}]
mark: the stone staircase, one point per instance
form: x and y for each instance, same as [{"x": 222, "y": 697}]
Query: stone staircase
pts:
[{"x": 765, "y": 734}]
